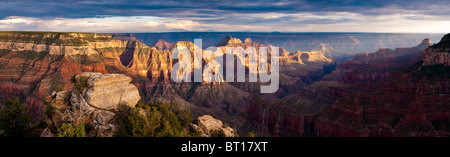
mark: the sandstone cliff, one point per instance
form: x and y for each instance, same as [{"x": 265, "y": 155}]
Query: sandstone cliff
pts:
[
  {"x": 57, "y": 43},
  {"x": 438, "y": 53}
]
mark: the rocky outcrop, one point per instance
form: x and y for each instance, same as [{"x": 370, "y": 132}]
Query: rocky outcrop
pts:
[
  {"x": 109, "y": 91},
  {"x": 94, "y": 101},
  {"x": 438, "y": 53},
  {"x": 208, "y": 124}
]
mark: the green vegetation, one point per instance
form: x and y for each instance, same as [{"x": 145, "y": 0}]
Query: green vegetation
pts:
[
  {"x": 59, "y": 88},
  {"x": 79, "y": 84},
  {"x": 71, "y": 130},
  {"x": 15, "y": 120},
  {"x": 217, "y": 133},
  {"x": 155, "y": 120},
  {"x": 225, "y": 125},
  {"x": 48, "y": 108}
]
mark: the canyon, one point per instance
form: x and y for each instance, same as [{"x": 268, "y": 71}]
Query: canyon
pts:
[
  {"x": 399, "y": 92},
  {"x": 390, "y": 92}
]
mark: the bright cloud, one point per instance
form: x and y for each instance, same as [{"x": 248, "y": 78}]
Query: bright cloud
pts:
[
  {"x": 230, "y": 15},
  {"x": 257, "y": 22}
]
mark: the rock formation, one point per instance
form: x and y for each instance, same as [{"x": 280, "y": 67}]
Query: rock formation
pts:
[
  {"x": 207, "y": 124},
  {"x": 438, "y": 53},
  {"x": 230, "y": 41},
  {"x": 93, "y": 101},
  {"x": 163, "y": 45},
  {"x": 32, "y": 64}
]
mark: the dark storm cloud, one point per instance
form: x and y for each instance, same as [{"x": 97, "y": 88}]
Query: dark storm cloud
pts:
[
  {"x": 225, "y": 15},
  {"x": 92, "y": 8}
]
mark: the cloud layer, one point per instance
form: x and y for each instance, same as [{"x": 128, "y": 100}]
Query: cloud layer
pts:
[{"x": 231, "y": 15}]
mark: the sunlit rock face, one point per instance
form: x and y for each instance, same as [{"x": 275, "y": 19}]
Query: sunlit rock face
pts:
[
  {"x": 306, "y": 104},
  {"x": 208, "y": 124},
  {"x": 110, "y": 90},
  {"x": 94, "y": 100},
  {"x": 58, "y": 43}
]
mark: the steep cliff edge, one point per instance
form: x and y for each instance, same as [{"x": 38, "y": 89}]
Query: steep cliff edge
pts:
[
  {"x": 438, "y": 53},
  {"x": 57, "y": 43}
]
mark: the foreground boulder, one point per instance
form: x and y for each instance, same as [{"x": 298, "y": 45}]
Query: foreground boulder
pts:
[
  {"x": 94, "y": 101},
  {"x": 111, "y": 90}
]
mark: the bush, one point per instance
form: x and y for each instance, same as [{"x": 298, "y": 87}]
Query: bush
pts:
[
  {"x": 15, "y": 120},
  {"x": 138, "y": 125},
  {"x": 59, "y": 88},
  {"x": 225, "y": 125},
  {"x": 156, "y": 120},
  {"x": 194, "y": 132},
  {"x": 79, "y": 84},
  {"x": 217, "y": 133},
  {"x": 48, "y": 108},
  {"x": 69, "y": 130}
]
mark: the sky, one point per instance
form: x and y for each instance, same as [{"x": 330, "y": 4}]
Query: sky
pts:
[{"x": 121, "y": 16}]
